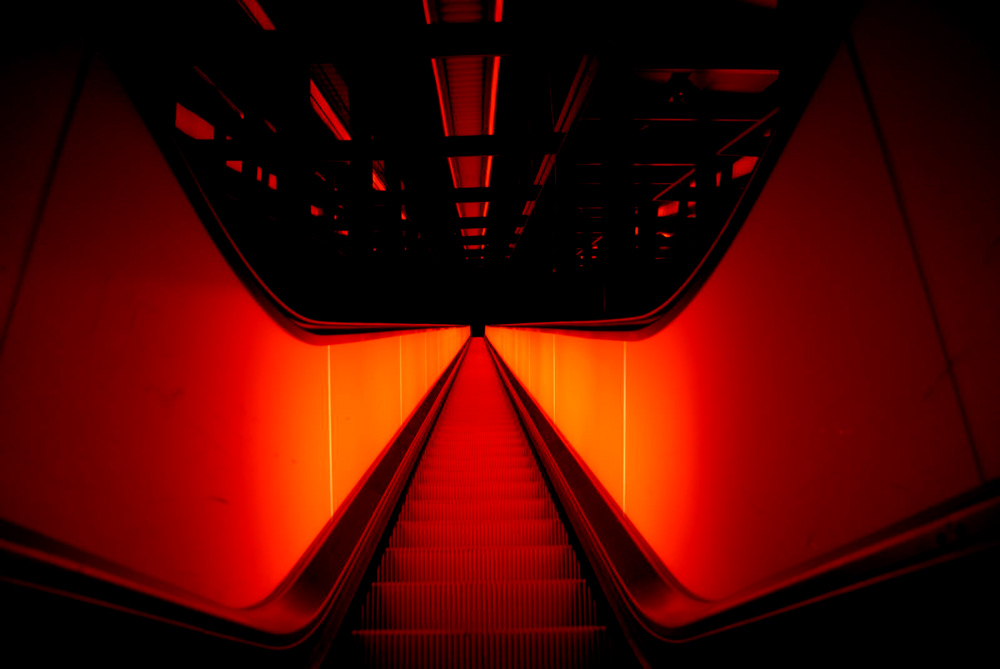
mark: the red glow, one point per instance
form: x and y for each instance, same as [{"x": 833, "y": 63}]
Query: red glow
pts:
[
  {"x": 315, "y": 211},
  {"x": 181, "y": 395},
  {"x": 389, "y": 376},
  {"x": 440, "y": 93},
  {"x": 489, "y": 170},
  {"x": 492, "y": 100},
  {"x": 256, "y": 12},
  {"x": 378, "y": 168},
  {"x": 471, "y": 209},
  {"x": 744, "y": 166},
  {"x": 260, "y": 174},
  {"x": 472, "y": 477},
  {"x": 799, "y": 401},
  {"x": 193, "y": 125},
  {"x": 272, "y": 182},
  {"x": 667, "y": 209},
  {"x": 326, "y": 113},
  {"x": 270, "y": 126}
]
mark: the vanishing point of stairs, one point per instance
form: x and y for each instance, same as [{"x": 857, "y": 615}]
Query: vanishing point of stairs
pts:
[{"x": 479, "y": 571}]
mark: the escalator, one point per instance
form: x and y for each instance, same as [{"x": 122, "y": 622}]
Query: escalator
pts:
[
  {"x": 478, "y": 568},
  {"x": 455, "y": 551}
]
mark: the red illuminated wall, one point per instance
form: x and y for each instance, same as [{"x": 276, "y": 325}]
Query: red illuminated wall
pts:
[
  {"x": 802, "y": 400},
  {"x": 943, "y": 148},
  {"x": 152, "y": 413}
]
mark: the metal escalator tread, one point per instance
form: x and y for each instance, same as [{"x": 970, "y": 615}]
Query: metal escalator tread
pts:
[{"x": 479, "y": 571}]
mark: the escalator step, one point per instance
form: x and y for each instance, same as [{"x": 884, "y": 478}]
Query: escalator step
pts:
[
  {"x": 461, "y": 491},
  {"x": 459, "y": 534},
  {"x": 516, "y": 474},
  {"x": 567, "y": 648},
  {"x": 479, "y": 571},
  {"x": 481, "y": 510},
  {"x": 521, "y": 563},
  {"x": 478, "y": 607}
]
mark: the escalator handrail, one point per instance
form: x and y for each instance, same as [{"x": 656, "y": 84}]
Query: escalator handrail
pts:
[
  {"x": 655, "y": 609},
  {"x": 314, "y": 595}
]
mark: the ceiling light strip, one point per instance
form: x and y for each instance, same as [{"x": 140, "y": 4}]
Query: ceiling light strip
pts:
[
  {"x": 256, "y": 13},
  {"x": 326, "y": 113}
]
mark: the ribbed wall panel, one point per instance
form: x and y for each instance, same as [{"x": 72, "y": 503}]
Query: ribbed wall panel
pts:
[{"x": 479, "y": 571}]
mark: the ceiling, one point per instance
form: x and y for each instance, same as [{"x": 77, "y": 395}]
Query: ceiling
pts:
[{"x": 469, "y": 160}]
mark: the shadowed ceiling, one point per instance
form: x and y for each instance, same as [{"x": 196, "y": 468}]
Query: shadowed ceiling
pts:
[{"x": 469, "y": 161}]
